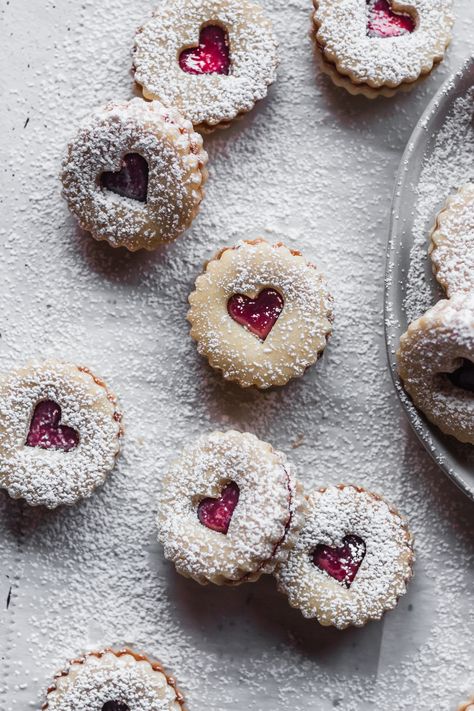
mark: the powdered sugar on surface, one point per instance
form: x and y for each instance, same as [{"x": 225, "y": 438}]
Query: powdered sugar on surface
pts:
[{"x": 313, "y": 167}]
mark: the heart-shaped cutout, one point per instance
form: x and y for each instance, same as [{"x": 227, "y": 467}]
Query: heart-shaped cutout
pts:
[
  {"x": 211, "y": 56},
  {"x": 341, "y": 563},
  {"x": 463, "y": 377},
  {"x": 45, "y": 430},
  {"x": 115, "y": 706},
  {"x": 131, "y": 180},
  {"x": 257, "y": 315},
  {"x": 382, "y": 21},
  {"x": 216, "y": 514}
]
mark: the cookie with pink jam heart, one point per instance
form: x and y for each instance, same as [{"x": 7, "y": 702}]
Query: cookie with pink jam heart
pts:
[
  {"x": 134, "y": 175},
  {"x": 60, "y": 433},
  {"x": 260, "y": 313},
  {"x": 375, "y": 47},
  {"x": 352, "y": 560},
  {"x": 212, "y": 59},
  {"x": 230, "y": 509},
  {"x": 112, "y": 680}
]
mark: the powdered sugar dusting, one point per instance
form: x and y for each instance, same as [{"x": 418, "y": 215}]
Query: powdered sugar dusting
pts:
[
  {"x": 383, "y": 574},
  {"x": 314, "y": 168},
  {"x": 297, "y": 339},
  {"x": 176, "y": 174},
  {"x": 449, "y": 166},
  {"x": 263, "y": 526},
  {"x": 434, "y": 346},
  {"x": 452, "y": 242},
  {"x": 382, "y": 61},
  {"x": 215, "y": 98},
  {"x": 99, "y": 680}
]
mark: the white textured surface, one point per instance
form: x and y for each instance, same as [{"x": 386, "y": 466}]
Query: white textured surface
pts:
[{"x": 314, "y": 167}]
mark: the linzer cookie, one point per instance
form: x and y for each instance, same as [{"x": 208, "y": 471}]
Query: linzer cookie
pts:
[
  {"x": 352, "y": 560},
  {"x": 229, "y": 509},
  {"x": 134, "y": 175},
  {"x": 113, "y": 681},
  {"x": 452, "y": 242},
  {"x": 260, "y": 313},
  {"x": 436, "y": 364},
  {"x": 375, "y": 47},
  {"x": 212, "y": 59},
  {"x": 59, "y": 433}
]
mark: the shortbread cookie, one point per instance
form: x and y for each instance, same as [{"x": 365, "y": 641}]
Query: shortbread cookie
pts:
[
  {"x": 212, "y": 59},
  {"x": 260, "y": 313},
  {"x": 113, "y": 681},
  {"x": 59, "y": 433},
  {"x": 452, "y": 242},
  {"x": 436, "y": 364},
  {"x": 229, "y": 509},
  {"x": 374, "y": 47},
  {"x": 352, "y": 560},
  {"x": 134, "y": 174}
]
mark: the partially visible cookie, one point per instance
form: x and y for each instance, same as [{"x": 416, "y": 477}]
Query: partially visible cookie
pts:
[
  {"x": 375, "y": 47},
  {"x": 468, "y": 705},
  {"x": 452, "y": 242},
  {"x": 436, "y": 364},
  {"x": 113, "y": 681},
  {"x": 212, "y": 59}
]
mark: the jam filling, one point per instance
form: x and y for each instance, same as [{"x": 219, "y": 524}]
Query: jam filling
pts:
[
  {"x": 216, "y": 514},
  {"x": 115, "y": 706},
  {"x": 131, "y": 180},
  {"x": 382, "y": 21},
  {"x": 212, "y": 56},
  {"x": 341, "y": 563},
  {"x": 257, "y": 315},
  {"x": 45, "y": 430},
  {"x": 463, "y": 377}
]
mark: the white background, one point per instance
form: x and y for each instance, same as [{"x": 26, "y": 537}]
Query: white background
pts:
[{"x": 314, "y": 167}]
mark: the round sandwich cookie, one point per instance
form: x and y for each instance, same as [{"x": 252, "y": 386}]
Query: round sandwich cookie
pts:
[
  {"x": 113, "y": 681},
  {"x": 60, "y": 433},
  {"x": 212, "y": 59},
  {"x": 229, "y": 510},
  {"x": 375, "y": 47},
  {"x": 352, "y": 560},
  {"x": 134, "y": 174},
  {"x": 452, "y": 243},
  {"x": 260, "y": 313},
  {"x": 436, "y": 364}
]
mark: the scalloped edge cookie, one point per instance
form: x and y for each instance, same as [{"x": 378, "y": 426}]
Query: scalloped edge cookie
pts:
[{"x": 298, "y": 337}]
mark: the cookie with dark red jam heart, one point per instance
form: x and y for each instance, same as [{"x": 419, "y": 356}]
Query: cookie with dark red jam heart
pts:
[
  {"x": 342, "y": 578},
  {"x": 229, "y": 509},
  {"x": 212, "y": 59},
  {"x": 377, "y": 47},
  {"x": 260, "y": 313},
  {"x": 211, "y": 56},
  {"x": 60, "y": 433},
  {"x": 382, "y": 21},
  {"x": 341, "y": 562},
  {"x": 47, "y": 432},
  {"x": 131, "y": 180},
  {"x": 216, "y": 514}
]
